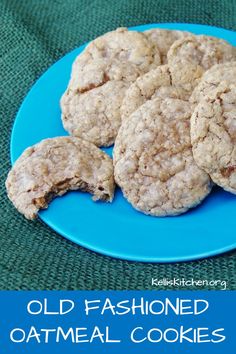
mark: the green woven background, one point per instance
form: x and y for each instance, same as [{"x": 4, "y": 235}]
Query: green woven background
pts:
[{"x": 34, "y": 34}]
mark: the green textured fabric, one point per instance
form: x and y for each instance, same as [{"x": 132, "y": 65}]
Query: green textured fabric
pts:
[{"x": 34, "y": 34}]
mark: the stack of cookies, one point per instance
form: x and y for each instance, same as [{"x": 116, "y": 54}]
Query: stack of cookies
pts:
[{"x": 165, "y": 99}]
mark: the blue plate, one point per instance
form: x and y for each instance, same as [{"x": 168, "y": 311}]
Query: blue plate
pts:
[{"x": 117, "y": 229}]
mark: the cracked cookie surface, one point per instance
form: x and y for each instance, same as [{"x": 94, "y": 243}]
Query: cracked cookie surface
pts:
[
  {"x": 113, "y": 61},
  {"x": 201, "y": 51},
  {"x": 55, "y": 166},
  {"x": 153, "y": 161},
  {"x": 212, "y": 78},
  {"x": 213, "y": 135},
  {"x": 94, "y": 115},
  {"x": 163, "y": 39},
  {"x": 117, "y": 55},
  {"x": 160, "y": 82}
]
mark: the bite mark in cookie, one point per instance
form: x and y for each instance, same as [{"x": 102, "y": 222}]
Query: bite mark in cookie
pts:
[{"x": 54, "y": 166}]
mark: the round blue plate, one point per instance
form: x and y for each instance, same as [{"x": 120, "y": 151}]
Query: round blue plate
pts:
[{"x": 117, "y": 229}]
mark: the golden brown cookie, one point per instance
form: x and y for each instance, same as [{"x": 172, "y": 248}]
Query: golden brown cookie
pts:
[
  {"x": 201, "y": 51},
  {"x": 212, "y": 78},
  {"x": 99, "y": 79},
  {"x": 55, "y": 166},
  {"x": 153, "y": 161},
  {"x": 213, "y": 135}
]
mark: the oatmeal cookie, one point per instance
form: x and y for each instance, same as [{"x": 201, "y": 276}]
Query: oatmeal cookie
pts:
[
  {"x": 201, "y": 51},
  {"x": 212, "y": 78},
  {"x": 117, "y": 55},
  {"x": 94, "y": 115},
  {"x": 110, "y": 62},
  {"x": 213, "y": 135},
  {"x": 54, "y": 166},
  {"x": 153, "y": 161}
]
